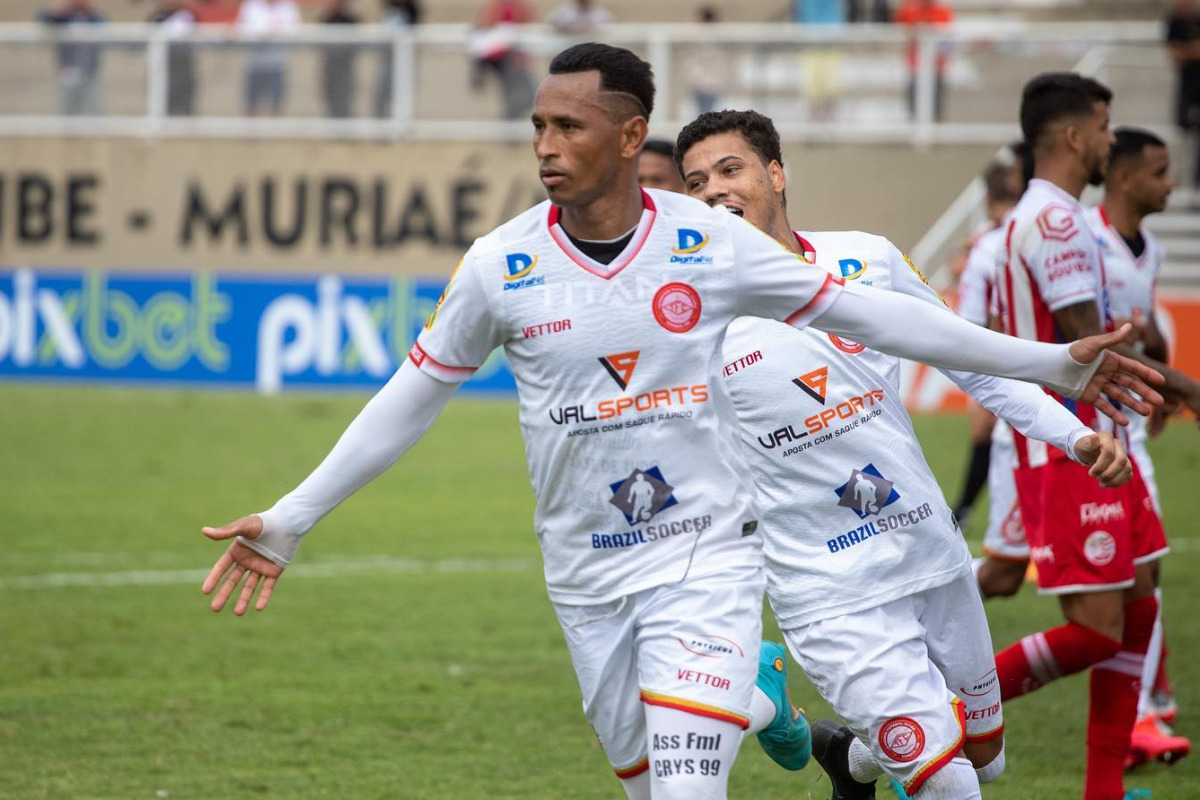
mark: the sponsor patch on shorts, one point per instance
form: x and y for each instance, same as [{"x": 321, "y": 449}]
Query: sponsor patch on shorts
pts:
[{"x": 902, "y": 738}]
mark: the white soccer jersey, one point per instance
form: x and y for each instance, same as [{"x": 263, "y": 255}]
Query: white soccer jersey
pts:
[
  {"x": 1052, "y": 261},
  {"x": 632, "y": 452},
  {"x": 977, "y": 285},
  {"x": 852, "y": 516}
]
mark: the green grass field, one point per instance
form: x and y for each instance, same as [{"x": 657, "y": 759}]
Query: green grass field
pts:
[{"x": 411, "y": 653}]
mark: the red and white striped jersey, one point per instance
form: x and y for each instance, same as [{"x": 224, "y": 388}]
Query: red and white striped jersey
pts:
[{"x": 1051, "y": 261}]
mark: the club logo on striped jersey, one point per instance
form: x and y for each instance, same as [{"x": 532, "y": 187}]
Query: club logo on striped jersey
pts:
[
  {"x": 814, "y": 383},
  {"x": 620, "y": 366},
  {"x": 1057, "y": 223}
]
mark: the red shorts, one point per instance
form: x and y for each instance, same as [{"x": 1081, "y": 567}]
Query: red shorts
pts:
[{"x": 1084, "y": 538}]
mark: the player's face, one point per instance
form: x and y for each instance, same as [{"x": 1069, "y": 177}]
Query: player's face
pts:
[
  {"x": 577, "y": 140},
  {"x": 1097, "y": 138},
  {"x": 724, "y": 170},
  {"x": 656, "y": 171},
  {"x": 1150, "y": 181}
]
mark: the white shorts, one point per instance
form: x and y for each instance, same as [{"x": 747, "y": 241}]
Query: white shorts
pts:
[
  {"x": 692, "y": 646},
  {"x": 913, "y": 678},
  {"x": 1005, "y": 535},
  {"x": 1139, "y": 434}
]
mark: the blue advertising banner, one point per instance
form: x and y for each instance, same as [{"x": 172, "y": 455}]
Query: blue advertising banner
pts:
[{"x": 265, "y": 332}]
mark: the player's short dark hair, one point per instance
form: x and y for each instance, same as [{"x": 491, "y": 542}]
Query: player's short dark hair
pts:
[
  {"x": 620, "y": 71},
  {"x": 758, "y": 131},
  {"x": 1130, "y": 144},
  {"x": 998, "y": 180},
  {"x": 660, "y": 147},
  {"x": 1052, "y": 96}
]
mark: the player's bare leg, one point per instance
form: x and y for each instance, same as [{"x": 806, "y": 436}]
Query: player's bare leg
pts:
[{"x": 1000, "y": 577}]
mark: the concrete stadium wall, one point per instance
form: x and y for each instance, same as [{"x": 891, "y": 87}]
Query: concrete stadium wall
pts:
[{"x": 354, "y": 208}]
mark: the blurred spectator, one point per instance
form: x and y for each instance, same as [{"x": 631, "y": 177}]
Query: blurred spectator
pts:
[
  {"x": 917, "y": 14},
  {"x": 214, "y": 12},
  {"x": 337, "y": 68},
  {"x": 706, "y": 68},
  {"x": 1183, "y": 42},
  {"x": 396, "y": 14},
  {"x": 578, "y": 17},
  {"x": 78, "y": 62},
  {"x": 177, "y": 17},
  {"x": 493, "y": 47},
  {"x": 868, "y": 11},
  {"x": 268, "y": 22},
  {"x": 656, "y": 166},
  {"x": 821, "y": 67}
]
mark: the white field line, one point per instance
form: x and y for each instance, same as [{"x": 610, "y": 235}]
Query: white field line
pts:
[{"x": 328, "y": 569}]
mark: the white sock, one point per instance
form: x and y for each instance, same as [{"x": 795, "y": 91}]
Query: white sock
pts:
[
  {"x": 863, "y": 766},
  {"x": 637, "y": 787},
  {"x": 955, "y": 781},
  {"x": 762, "y": 711},
  {"x": 991, "y": 771},
  {"x": 1153, "y": 658},
  {"x": 694, "y": 754}
]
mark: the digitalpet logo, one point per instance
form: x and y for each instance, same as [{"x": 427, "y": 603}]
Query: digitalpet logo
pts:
[
  {"x": 620, "y": 366},
  {"x": 690, "y": 243},
  {"x": 852, "y": 268},
  {"x": 520, "y": 265}
]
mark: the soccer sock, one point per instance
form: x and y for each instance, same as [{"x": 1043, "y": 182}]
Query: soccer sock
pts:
[
  {"x": 690, "y": 755},
  {"x": 1153, "y": 659},
  {"x": 989, "y": 773},
  {"x": 762, "y": 711},
  {"x": 637, "y": 787},
  {"x": 955, "y": 781},
  {"x": 977, "y": 472},
  {"x": 1112, "y": 704},
  {"x": 1161, "y": 682},
  {"x": 1045, "y": 656},
  {"x": 863, "y": 766}
]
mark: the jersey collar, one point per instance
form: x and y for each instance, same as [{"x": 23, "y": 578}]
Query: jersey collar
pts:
[
  {"x": 1137, "y": 260},
  {"x": 807, "y": 251},
  {"x": 605, "y": 271}
]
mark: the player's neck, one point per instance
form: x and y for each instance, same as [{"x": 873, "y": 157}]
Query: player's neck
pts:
[
  {"x": 607, "y": 217},
  {"x": 1122, "y": 216},
  {"x": 1063, "y": 174},
  {"x": 783, "y": 232}
]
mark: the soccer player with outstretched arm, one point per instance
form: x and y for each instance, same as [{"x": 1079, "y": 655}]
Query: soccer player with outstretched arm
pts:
[{"x": 611, "y": 303}]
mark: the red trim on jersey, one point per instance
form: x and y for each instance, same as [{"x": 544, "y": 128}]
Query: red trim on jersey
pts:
[
  {"x": 419, "y": 355},
  {"x": 1137, "y": 260},
  {"x": 807, "y": 251},
  {"x": 605, "y": 271},
  {"x": 634, "y": 771},
  {"x": 821, "y": 300}
]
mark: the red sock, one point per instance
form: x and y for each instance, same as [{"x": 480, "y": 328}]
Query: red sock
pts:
[
  {"x": 1112, "y": 704},
  {"x": 1042, "y": 657}
]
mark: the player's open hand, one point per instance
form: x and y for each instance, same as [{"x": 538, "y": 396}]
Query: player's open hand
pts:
[
  {"x": 1125, "y": 380},
  {"x": 239, "y": 561},
  {"x": 1109, "y": 463}
]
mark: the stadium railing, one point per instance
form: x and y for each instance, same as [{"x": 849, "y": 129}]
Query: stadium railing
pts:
[{"x": 821, "y": 85}]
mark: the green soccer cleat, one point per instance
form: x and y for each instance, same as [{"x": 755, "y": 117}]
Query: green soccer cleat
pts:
[{"x": 786, "y": 739}]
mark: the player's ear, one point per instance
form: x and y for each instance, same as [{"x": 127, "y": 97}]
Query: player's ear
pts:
[
  {"x": 633, "y": 136},
  {"x": 1073, "y": 136},
  {"x": 778, "y": 178}
]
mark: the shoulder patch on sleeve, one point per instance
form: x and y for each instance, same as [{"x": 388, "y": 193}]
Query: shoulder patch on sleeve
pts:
[
  {"x": 921, "y": 275},
  {"x": 1057, "y": 223},
  {"x": 433, "y": 317}
]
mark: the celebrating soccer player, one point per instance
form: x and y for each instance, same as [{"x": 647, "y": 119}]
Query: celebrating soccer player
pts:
[
  {"x": 866, "y": 570},
  {"x": 1093, "y": 549},
  {"x": 611, "y": 302}
]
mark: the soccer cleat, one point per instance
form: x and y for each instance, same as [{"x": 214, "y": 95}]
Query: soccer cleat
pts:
[
  {"x": 1150, "y": 743},
  {"x": 1162, "y": 702},
  {"x": 786, "y": 739},
  {"x": 831, "y": 749},
  {"x": 898, "y": 790}
]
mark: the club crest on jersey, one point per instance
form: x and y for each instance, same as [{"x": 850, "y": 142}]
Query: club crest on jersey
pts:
[
  {"x": 518, "y": 267},
  {"x": 847, "y": 346},
  {"x": 690, "y": 243},
  {"x": 867, "y": 492},
  {"x": 642, "y": 495},
  {"x": 620, "y": 366},
  {"x": 814, "y": 383},
  {"x": 676, "y": 306},
  {"x": 1057, "y": 223},
  {"x": 852, "y": 268}
]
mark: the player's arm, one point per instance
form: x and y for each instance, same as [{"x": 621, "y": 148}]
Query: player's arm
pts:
[
  {"x": 776, "y": 284},
  {"x": 1154, "y": 342},
  {"x": 1079, "y": 320},
  {"x": 458, "y": 337}
]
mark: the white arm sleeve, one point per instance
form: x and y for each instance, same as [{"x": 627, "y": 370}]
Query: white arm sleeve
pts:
[
  {"x": 393, "y": 421},
  {"x": 1026, "y": 407},
  {"x": 909, "y": 328}
]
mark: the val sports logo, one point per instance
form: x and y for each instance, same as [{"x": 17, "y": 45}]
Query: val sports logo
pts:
[
  {"x": 690, "y": 243},
  {"x": 519, "y": 266},
  {"x": 852, "y": 268},
  {"x": 642, "y": 495},
  {"x": 867, "y": 492},
  {"x": 814, "y": 383},
  {"x": 620, "y": 366}
]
